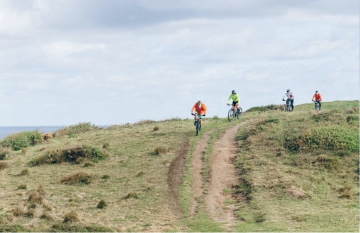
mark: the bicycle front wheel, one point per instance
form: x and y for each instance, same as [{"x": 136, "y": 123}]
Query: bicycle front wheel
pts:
[
  {"x": 239, "y": 113},
  {"x": 197, "y": 126},
  {"x": 231, "y": 115}
]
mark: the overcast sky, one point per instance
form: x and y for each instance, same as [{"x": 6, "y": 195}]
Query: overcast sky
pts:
[{"x": 117, "y": 61}]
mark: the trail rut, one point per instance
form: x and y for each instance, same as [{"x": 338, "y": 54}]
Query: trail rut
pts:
[{"x": 223, "y": 176}]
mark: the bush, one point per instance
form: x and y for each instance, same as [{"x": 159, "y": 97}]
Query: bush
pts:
[
  {"x": 101, "y": 204},
  {"x": 71, "y": 155},
  {"x": 75, "y": 129},
  {"x": 332, "y": 138},
  {"x": 156, "y": 128},
  {"x": 21, "y": 140},
  {"x": 71, "y": 217},
  {"x": 265, "y": 108},
  {"x": 159, "y": 150}
]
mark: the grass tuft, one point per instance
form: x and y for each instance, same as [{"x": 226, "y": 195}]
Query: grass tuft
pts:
[
  {"x": 22, "y": 186},
  {"x": 77, "y": 178},
  {"x": 3, "y": 165},
  {"x": 159, "y": 150},
  {"x": 24, "y": 172},
  {"x": 71, "y": 217},
  {"x": 102, "y": 204},
  {"x": 3, "y": 153},
  {"x": 75, "y": 129}
]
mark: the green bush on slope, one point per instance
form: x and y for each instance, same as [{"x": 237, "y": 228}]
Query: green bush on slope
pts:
[{"x": 21, "y": 140}]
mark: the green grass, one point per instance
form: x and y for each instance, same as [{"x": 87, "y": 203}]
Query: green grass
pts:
[
  {"x": 299, "y": 173},
  {"x": 301, "y": 170}
]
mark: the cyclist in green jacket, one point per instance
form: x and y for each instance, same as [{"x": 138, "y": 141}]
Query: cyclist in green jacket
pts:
[{"x": 236, "y": 100}]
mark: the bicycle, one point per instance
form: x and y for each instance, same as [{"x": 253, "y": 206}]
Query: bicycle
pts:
[
  {"x": 231, "y": 114},
  {"x": 197, "y": 122},
  {"x": 317, "y": 105},
  {"x": 288, "y": 107}
]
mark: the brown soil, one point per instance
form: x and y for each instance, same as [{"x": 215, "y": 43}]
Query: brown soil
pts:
[
  {"x": 195, "y": 171},
  {"x": 175, "y": 174},
  {"x": 223, "y": 176}
]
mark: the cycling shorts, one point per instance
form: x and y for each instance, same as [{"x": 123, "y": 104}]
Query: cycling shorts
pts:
[{"x": 234, "y": 103}]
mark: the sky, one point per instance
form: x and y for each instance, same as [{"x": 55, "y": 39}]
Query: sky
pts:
[{"x": 109, "y": 62}]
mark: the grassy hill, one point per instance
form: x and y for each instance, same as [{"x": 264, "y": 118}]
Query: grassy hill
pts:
[{"x": 299, "y": 172}]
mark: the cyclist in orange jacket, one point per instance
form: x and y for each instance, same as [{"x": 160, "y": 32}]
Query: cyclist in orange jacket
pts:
[
  {"x": 317, "y": 98},
  {"x": 200, "y": 108}
]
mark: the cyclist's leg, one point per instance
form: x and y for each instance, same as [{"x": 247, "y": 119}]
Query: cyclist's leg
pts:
[
  {"x": 319, "y": 105},
  {"x": 234, "y": 106},
  {"x": 292, "y": 104}
]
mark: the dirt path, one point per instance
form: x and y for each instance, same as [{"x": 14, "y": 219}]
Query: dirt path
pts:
[
  {"x": 223, "y": 176},
  {"x": 195, "y": 171}
]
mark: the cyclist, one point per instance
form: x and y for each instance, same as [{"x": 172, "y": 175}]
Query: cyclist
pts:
[
  {"x": 200, "y": 108},
  {"x": 317, "y": 98},
  {"x": 289, "y": 96},
  {"x": 235, "y": 98}
]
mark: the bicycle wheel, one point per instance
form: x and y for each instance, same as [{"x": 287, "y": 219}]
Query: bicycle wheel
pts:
[
  {"x": 197, "y": 126},
  {"x": 239, "y": 113},
  {"x": 231, "y": 115}
]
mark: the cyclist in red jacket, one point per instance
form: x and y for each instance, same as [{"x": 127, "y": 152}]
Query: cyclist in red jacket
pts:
[
  {"x": 200, "y": 108},
  {"x": 317, "y": 98}
]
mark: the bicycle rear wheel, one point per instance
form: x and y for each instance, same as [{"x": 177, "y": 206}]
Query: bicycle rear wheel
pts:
[
  {"x": 239, "y": 113},
  {"x": 231, "y": 115}
]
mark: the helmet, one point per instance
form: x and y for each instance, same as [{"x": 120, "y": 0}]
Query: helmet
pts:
[
  {"x": 233, "y": 92},
  {"x": 287, "y": 90},
  {"x": 199, "y": 102},
  {"x": 316, "y": 91}
]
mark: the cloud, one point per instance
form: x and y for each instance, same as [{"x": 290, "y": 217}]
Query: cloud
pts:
[{"x": 101, "y": 61}]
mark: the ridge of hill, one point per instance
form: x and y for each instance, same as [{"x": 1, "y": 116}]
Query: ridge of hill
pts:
[{"x": 297, "y": 171}]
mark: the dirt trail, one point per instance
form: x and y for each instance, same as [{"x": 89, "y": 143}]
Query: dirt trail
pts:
[
  {"x": 195, "y": 170},
  {"x": 223, "y": 176}
]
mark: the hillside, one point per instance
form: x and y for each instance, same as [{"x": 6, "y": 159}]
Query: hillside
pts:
[{"x": 295, "y": 171}]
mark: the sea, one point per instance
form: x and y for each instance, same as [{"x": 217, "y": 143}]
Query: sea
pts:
[{"x": 7, "y": 130}]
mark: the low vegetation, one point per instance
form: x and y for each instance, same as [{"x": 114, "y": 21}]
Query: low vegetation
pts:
[{"x": 21, "y": 140}]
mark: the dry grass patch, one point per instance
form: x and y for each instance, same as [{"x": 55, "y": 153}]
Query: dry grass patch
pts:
[
  {"x": 71, "y": 217},
  {"x": 3, "y": 165},
  {"x": 160, "y": 150},
  {"x": 4, "y": 153},
  {"x": 296, "y": 192},
  {"x": 77, "y": 178},
  {"x": 24, "y": 172}
]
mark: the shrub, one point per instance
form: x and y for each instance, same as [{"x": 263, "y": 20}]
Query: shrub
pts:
[
  {"x": 21, "y": 140},
  {"x": 75, "y": 129},
  {"x": 159, "y": 150},
  {"x": 332, "y": 138},
  {"x": 80, "y": 177},
  {"x": 156, "y": 128},
  {"x": 264, "y": 108},
  {"x": 71, "y": 155},
  {"x": 71, "y": 217},
  {"x": 101, "y": 204}
]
